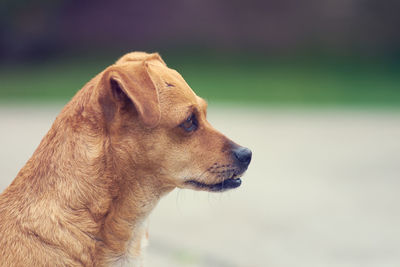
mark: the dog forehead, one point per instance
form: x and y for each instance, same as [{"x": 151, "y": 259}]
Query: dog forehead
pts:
[
  {"x": 177, "y": 99},
  {"x": 164, "y": 73},
  {"x": 171, "y": 85}
]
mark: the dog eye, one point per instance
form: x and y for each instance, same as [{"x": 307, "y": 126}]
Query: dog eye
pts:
[{"x": 190, "y": 124}]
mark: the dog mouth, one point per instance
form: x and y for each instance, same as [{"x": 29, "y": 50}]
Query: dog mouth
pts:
[{"x": 219, "y": 187}]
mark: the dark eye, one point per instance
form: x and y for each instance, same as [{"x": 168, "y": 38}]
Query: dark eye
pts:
[{"x": 190, "y": 124}]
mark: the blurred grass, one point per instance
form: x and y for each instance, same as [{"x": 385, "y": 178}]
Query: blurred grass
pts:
[{"x": 223, "y": 78}]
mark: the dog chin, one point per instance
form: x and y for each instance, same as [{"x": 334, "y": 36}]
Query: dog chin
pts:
[{"x": 225, "y": 185}]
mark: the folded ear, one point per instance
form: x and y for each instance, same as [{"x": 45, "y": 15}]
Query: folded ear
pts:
[
  {"x": 135, "y": 86},
  {"x": 140, "y": 56}
]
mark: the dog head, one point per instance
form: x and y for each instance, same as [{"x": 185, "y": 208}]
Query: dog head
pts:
[{"x": 158, "y": 128}]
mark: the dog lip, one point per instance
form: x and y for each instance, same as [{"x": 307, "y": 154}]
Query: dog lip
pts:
[{"x": 219, "y": 187}]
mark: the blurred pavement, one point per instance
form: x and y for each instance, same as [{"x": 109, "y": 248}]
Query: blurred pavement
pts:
[{"x": 322, "y": 190}]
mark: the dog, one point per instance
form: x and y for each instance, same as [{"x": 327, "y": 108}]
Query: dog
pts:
[{"x": 132, "y": 134}]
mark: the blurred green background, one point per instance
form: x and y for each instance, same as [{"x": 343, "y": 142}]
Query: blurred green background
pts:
[{"x": 252, "y": 52}]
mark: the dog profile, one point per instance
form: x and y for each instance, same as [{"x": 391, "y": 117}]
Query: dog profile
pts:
[{"x": 133, "y": 133}]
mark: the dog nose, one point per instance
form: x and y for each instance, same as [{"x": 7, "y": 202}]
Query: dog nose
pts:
[{"x": 243, "y": 155}]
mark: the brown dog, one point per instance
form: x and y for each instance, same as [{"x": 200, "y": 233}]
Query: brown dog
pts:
[{"x": 129, "y": 136}]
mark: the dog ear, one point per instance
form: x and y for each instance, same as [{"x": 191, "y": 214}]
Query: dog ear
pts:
[
  {"x": 137, "y": 87},
  {"x": 140, "y": 56}
]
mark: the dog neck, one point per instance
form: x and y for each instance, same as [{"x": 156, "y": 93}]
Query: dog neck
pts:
[{"x": 125, "y": 223}]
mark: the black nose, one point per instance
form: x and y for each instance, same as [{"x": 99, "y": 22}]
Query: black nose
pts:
[{"x": 243, "y": 155}]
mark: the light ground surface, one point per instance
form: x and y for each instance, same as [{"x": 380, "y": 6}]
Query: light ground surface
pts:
[{"x": 323, "y": 190}]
